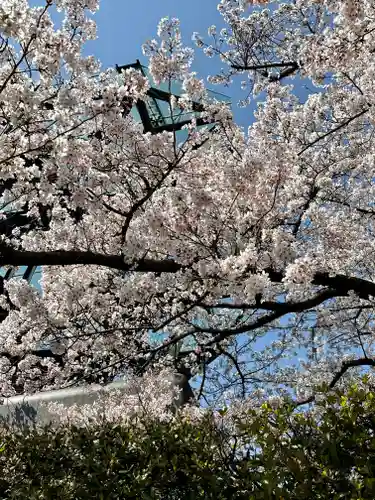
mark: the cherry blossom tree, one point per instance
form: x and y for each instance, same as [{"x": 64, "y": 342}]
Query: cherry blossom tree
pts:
[{"x": 224, "y": 255}]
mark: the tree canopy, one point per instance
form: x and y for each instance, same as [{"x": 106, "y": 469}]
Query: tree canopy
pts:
[{"x": 243, "y": 258}]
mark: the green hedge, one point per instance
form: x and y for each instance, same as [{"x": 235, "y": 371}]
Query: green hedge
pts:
[{"x": 285, "y": 454}]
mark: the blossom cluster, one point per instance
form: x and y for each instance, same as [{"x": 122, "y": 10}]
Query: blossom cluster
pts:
[{"x": 231, "y": 253}]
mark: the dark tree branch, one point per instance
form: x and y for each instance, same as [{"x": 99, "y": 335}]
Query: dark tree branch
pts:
[
  {"x": 339, "y": 282},
  {"x": 335, "y": 129},
  {"x": 284, "y": 74},
  {"x": 254, "y": 67},
  {"x": 346, "y": 365},
  {"x": 221, "y": 335},
  {"x": 138, "y": 204},
  {"x": 350, "y": 364},
  {"x": 290, "y": 69},
  {"x": 10, "y": 257},
  {"x": 339, "y": 285},
  {"x": 278, "y": 309},
  {"x": 364, "y": 211},
  {"x": 313, "y": 193},
  {"x": 344, "y": 284},
  {"x": 237, "y": 366},
  {"x": 284, "y": 308},
  {"x": 48, "y": 353}
]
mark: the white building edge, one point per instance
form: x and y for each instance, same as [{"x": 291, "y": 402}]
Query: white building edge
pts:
[{"x": 29, "y": 409}]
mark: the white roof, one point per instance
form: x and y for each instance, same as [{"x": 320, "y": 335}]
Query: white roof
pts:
[{"x": 25, "y": 409}]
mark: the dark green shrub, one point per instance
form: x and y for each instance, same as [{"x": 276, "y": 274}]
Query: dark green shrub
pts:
[{"x": 267, "y": 454}]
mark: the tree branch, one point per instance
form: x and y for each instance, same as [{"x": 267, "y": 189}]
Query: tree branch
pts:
[
  {"x": 346, "y": 365},
  {"x": 344, "y": 284},
  {"x": 339, "y": 282},
  {"x": 290, "y": 68},
  {"x": 336, "y": 129},
  {"x": 10, "y": 257},
  {"x": 339, "y": 285},
  {"x": 270, "y": 65},
  {"x": 284, "y": 308},
  {"x": 278, "y": 310}
]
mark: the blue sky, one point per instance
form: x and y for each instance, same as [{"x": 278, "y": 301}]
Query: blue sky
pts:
[{"x": 123, "y": 26}]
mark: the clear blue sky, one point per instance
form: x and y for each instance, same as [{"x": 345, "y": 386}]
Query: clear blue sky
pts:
[{"x": 124, "y": 26}]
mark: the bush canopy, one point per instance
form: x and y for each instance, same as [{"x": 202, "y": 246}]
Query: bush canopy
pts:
[{"x": 326, "y": 451}]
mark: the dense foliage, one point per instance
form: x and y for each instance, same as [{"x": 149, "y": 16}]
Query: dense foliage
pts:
[{"x": 263, "y": 453}]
